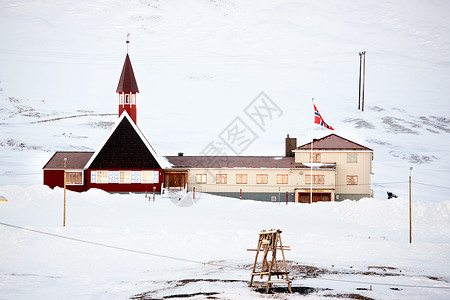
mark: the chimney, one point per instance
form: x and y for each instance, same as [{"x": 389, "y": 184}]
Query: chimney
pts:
[
  {"x": 291, "y": 144},
  {"x": 180, "y": 153}
]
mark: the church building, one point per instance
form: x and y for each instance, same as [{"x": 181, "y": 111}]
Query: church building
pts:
[
  {"x": 125, "y": 161},
  {"x": 338, "y": 169}
]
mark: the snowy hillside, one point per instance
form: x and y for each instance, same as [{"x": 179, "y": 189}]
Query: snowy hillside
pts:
[{"x": 198, "y": 64}]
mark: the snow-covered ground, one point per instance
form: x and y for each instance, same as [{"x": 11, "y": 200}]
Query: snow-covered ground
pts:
[
  {"x": 198, "y": 65},
  {"x": 365, "y": 241}
]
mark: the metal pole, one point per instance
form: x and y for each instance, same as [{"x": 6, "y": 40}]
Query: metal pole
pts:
[
  {"x": 410, "y": 210},
  {"x": 311, "y": 158},
  {"x": 364, "y": 79},
  {"x": 359, "y": 92},
  {"x": 64, "y": 214}
]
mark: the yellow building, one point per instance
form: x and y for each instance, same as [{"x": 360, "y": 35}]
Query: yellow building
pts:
[{"x": 340, "y": 170}]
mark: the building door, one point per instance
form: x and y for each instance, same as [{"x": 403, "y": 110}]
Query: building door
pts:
[
  {"x": 174, "y": 180},
  {"x": 317, "y": 197}
]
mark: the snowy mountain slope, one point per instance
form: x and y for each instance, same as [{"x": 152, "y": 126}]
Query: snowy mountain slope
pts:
[
  {"x": 194, "y": 59},
  {"x": 198, "y": 65}
]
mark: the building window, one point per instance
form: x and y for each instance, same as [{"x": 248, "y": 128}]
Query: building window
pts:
[
  {"x": 133, "y": 98},
  {"x": 315, "y": 157},
  {"x": 121, "y": 99},
  {"x": 125, "y": 177},
  {"x": 241, "y": 178},
  {"x": 200, "y": 178},
  {"x": 317, "y": 179},
  {"x": 282, "y": 179},
  {"x": 102, "y": 176},
  {"x": 261, "y": 178},
  {"x": 221, "y": 178},
  {"x": 74, "y": 178},
  {"x": 352, "y": 157},
  {"x": 352, "y": 179},
  {"x": 150, "y": 177},
  {"x": 127, "y": 99}
]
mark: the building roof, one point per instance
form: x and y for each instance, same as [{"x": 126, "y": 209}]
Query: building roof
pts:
[
  {"x": 127, "y": 81},
  {"x": 333, "y": 142},
  {"x": 75, "y": 160},
  {"x": 244, "y": 162},
  {"x": 125, "y": 147}
]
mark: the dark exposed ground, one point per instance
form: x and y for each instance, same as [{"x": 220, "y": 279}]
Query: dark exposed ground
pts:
[{"x": 296, "y": 271}]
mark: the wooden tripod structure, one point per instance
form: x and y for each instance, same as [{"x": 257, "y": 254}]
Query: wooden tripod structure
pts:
[{"x": 268, "y": 243}]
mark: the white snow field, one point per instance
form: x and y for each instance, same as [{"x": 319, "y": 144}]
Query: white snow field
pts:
[
  {"x": 198, "y": 64},
  {"x": 352, "y": 244}
]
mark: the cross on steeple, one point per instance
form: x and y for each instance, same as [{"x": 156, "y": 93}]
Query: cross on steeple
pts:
[{"x": 128, "y": 40}]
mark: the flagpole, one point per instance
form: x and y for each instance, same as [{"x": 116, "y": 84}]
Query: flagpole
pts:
[{"x": 311, "y": 156}]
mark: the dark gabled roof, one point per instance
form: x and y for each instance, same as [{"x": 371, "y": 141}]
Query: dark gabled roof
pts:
[
  {"x": 250, "y": 162},
  {"x": 333, "y": 142},
  {"x": 127, "y": 81},
  {"x": 75, "y": 160},
  {"x": 125, "y": 148}
]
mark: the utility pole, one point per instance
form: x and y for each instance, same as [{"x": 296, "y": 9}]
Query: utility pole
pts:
[
  {"x": 410, "y": 210},
  {"x": 364, "y": 79},
  {"x": 362, "y": 73},
  {"x": 64, "y": 215},
  {"x": 359, "y": 91}
]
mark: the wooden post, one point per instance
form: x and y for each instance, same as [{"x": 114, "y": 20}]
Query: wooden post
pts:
[
  {"x": 64, "y": 213},
  {"x": 240, "y": 194},
  {"x": 154, "y": 190},
  {"x": 410, "y": 209},
  {"x": 193, "y": 192},
  {"x": 287, "y": 198}
]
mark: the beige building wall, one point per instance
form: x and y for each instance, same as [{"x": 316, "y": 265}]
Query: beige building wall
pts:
[
  {"x": 296, "y": 180},
  {"x": 362, "y": 168}
]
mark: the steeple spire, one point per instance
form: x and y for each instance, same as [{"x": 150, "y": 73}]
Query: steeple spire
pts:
[{"x": 127, "y": 88}]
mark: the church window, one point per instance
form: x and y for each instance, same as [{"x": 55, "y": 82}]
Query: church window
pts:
[
  {"x": 125, "y": 177},
  {"x": 74, "y": 178}
]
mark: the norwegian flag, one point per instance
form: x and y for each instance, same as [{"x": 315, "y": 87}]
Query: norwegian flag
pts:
[{"x": 319, "y": 120}]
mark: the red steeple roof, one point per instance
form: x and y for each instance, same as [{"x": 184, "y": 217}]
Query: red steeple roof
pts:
[{"x": 127, "y": 82}]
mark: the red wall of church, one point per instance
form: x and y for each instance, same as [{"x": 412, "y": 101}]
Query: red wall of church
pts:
[{"x": 125, "y": 187}]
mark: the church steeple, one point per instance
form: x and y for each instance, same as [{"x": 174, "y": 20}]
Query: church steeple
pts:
[{"x": 127, "y": 89}]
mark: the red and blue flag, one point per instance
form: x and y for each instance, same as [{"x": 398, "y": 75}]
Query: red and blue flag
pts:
[{"x": 319, "y": 120}]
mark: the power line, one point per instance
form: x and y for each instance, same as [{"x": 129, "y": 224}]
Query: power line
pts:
[
  {"x": 385, "y": 284},
  {"x": 201, "y": 262},
  {"x": 118, "y": 248},
  {"x": 15, "y": 174},
  {"x": 432, "y": 185}
]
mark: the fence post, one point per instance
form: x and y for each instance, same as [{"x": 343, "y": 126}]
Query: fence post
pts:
[
  {"x": 193, "y": 192},
  {"x": 154, "y": 190},
  {"x": 240, "y": 194},
  {"x": 287, "y": 198}
]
